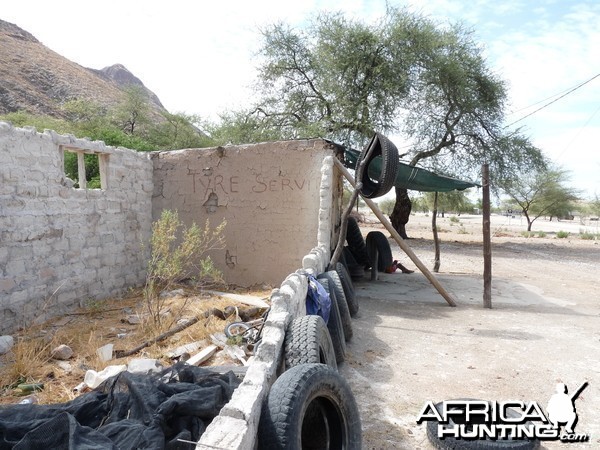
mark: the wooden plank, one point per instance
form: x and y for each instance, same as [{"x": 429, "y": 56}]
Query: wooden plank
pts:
[
  {"x": 403, "y": 245},
  {"x": 202, "y": 356}
]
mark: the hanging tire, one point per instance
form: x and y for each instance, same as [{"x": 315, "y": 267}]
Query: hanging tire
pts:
[
  {"x": 335, "y": 285},
  {"x": 451, "y": 443},
  {"x": 377, "y": 240},
  {"x": 348, "y": 289},
  {"x": 388, "y": 152},
  {"x": 307, "y": 340},
  {"x": 310, "y": 406},
  {"x": 356, "y": 270},
  {"x": 356, "y": 242},
  {"x": 334, "y": 325}
]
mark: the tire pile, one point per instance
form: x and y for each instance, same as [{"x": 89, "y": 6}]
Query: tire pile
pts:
[{"x": 311, "y": 404}]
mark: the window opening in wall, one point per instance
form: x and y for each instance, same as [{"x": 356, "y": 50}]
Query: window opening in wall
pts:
[{"x": 84, "y": 169}]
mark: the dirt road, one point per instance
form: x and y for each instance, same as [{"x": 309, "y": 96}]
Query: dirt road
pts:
[{"x": 410, "y": 347}]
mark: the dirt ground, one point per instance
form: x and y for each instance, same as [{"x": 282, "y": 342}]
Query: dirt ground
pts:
[
  {"x": 124, "y": 323},
  {"x": 410, "y": 347}
]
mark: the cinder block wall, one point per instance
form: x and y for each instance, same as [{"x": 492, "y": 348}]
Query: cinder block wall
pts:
[
  {"x": 268, "y": 193},
  {"x": 61, "y": 246}
]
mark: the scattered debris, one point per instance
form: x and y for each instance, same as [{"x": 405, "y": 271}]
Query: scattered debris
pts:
[
  {"x": 162, "y": 337},
  {"x": 187, "y": 348},
  {"x": 144, "y": 365},
  {"x": 94, "y": 379},
  {"x": 245, "y": 299},
  {"x": 28, "y": 388},
  {"x": 65, "y": 366},
  {"x": 62, "y": 352},
  {"x": 203, "y": 356},
  {"x": 105, "y": 353}
]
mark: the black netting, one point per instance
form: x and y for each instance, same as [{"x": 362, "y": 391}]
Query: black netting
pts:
[{"x": 127, "y": 411}]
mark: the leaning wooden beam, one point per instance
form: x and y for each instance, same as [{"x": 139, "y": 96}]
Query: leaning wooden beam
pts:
[{"x": 386, "y": 223}]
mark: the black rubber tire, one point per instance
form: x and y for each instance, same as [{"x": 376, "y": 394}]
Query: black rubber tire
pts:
[
  {"x": 357, "y": 271},
  {"x": 377, "y": 240},
  {"x": 307, "y": 340},
  {"x": 336, "y": 284},
  {"x": 348, "y": 289},
  {"x": 334, "y": 325},
  {"x": 450, "y": 443},
  {"x": 356, "y": 242},
  {"x": 310, "y": 406},
  {"x": 388, "y": 152}
]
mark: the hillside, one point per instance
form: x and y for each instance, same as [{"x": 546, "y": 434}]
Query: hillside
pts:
[{"x": 37, "y": 80}]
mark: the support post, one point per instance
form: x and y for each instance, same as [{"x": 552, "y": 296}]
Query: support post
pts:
[
  {"x": 403, "y": 245},
  {"x": 487, "y": 244},
  {"x": 436, "y": 239}
]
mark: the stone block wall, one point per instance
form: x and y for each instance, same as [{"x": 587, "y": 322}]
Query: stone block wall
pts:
[
  {"x": 269, "y": 194},
  {"x": 62, "y": 246}
]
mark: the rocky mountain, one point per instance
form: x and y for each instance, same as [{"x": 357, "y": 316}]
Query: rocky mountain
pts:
[{"x": 37, "y": 80}]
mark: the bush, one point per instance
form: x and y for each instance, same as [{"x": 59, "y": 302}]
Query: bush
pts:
[
  {"x": 588, "y": 236},
  {"x": 179, "y": 253},
  {"x": 562, "y": 234},
  {"x": 542, "y": 234},
  {"x": 454, "y": 219},
  {"x": 527, "y": 234}
]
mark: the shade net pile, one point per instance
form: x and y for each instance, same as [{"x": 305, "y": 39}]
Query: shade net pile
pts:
[{"x": 166, "y": 410}]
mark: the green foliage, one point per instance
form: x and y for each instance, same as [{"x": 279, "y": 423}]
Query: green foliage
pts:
[
  {"x": 454, "y": 201},
  {"x": 179, "y": 252},
  {"x": 527, "y": 234},
  {"x": 562, "y": 234},
  {"x": 40, "y": 123},
  {"x": 540, "y": 192},
  {"x": 178, "y": 131},
  {"x": 127, "y": 125},
  {"x": 133, "y": 112},
  {"x": 542, "y": 234},
  {"x": 242, "y": 127},
  {"x": 454, "y": 219},
  {"x": 387, "y": 206}
]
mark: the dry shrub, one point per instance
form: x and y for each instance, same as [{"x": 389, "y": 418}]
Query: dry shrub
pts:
[{"x": 179, "y": 253}]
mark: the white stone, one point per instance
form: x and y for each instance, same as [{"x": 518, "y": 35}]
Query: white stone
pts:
[
  {"x": 62, "y": 352},
  {"x": 105, "y": 353},
  {"x": 93, "y": 379},
  {"x": 6, "y": 343},
  {"x": 144, "y": 365}
]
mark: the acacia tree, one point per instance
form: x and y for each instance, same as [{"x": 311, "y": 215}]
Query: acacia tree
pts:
[
  {"x": 540, "y": 193},
  {"x": 134, "y": 110},
  {"x": 343, "y": 79}
]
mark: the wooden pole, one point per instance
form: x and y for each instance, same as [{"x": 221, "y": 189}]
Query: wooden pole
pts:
[
  {"x": 487, "y": 244},
  {"x": 436, "y": 239},
  {"x": 403, "y": 245}
]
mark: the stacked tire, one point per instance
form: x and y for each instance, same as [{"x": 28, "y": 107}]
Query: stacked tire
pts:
[{"x": 311, "y": 405}]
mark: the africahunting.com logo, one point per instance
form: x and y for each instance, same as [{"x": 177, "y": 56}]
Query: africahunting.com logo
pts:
[{"x": 471, "y": 419}]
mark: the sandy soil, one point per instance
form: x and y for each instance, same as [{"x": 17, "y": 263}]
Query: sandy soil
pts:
[{"x": 410, "y": 347}]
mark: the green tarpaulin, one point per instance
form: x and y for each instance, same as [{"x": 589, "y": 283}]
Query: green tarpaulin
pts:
[{"x": 409, "y": 177}]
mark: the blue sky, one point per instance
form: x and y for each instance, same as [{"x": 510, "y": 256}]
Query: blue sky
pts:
[{"x": 198, "y": 56}]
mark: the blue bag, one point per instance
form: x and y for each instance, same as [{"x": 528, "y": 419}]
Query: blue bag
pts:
[{"x": 318, "y": 301}]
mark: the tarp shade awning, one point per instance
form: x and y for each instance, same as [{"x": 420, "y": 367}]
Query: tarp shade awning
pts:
[{"x": 409, "y": 177}]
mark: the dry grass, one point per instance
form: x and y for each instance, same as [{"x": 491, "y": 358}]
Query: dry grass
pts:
[{"x": 98, "y": 324}]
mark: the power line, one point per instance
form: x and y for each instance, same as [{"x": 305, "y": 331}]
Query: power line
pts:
[{"x": 555, "y": 100}]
